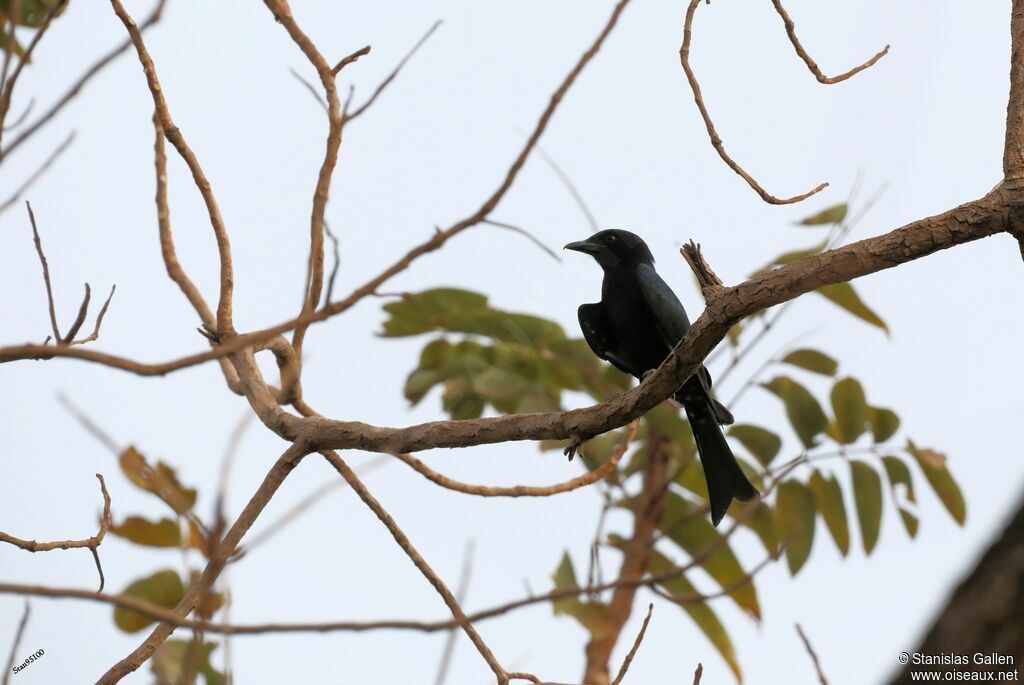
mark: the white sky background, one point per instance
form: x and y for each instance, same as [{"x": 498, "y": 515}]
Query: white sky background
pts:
[{"x": 928, "y": 120}]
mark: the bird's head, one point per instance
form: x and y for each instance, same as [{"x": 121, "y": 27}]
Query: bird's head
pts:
[{"x": 614, "y": 248}]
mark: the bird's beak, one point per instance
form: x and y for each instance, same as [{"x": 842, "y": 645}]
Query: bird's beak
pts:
[{"x": 584, "y": 246}]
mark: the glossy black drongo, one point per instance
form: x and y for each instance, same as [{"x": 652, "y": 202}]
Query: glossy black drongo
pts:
[{"x": 635, "y": 326}]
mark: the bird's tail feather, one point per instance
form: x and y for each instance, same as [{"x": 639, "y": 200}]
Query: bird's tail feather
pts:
[{"x": 722, "y": 472}]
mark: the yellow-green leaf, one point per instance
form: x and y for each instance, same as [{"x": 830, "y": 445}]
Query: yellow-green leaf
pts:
[
  {"x": 812, "y": 360},
  {"x": 909, "y": 522},
  {"x": 828, "y": 497},
  {"x": 843, "y": 295},
  {"x": 593, "y": 616},
  {"x": 686, "y": 525},
  {"x": 170, "y": 661},
  {"x": 163, "y": 533},
  {"x": 162, "y": 480},
  {"x": 884, "y": 423},
  {"x": 794, "y": 513},
  {"x": 804, "y": 412},
  {"x": 933, "y": 464},
  {"x": 700, "y": 611},
  {"x": 867, "y": 494},
  {"x": 760, "y": 442},
  {"x": 163, "y": 588},
  {"x": 851, "y": 409},
  {"x": 899, "y": 474},
  {"x": 830, "y": 215}
]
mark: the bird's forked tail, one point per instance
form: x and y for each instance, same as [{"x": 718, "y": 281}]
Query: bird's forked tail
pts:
[{"x": 722, "y": 472}]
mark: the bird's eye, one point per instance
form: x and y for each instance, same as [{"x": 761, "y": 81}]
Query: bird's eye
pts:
[{"x": 611, "y": 238}]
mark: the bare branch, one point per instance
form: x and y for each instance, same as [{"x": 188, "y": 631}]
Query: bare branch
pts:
[
  {"x": 18, "y": 634},
  {"x": 453, "y": 604},
  {"x": 284, "y": 466},
  {"x": 822, "y": 78},
  {"x": 225, "y": 325},
  {"x": 577, "y": 196},
  {"x": 698, "y": 673},
  {"x": 35, "y": 176},
  {"x": 10, "y": 81},
  {"x": 716, "y": 141},
  {"x": 813, "y": 655},
  {"x": 99, "y": 320},
  {"x": 526, "y": 234},
  {"x": 350, "y": 59},
  {"x": 83, "y": 311},
  {"x": 90, "y": 543},
  {"x": 76, "y": 88},
  {"x": 336, "y": 251},
  {"x": 636, "y": 646},
  {"x": 460, "y": 596},
  {"x": 46, "y": 273},
  {"x": 309, "y": 86},
  {"x": 594, "y": 476},
  {"x": 394, "y": 72}
]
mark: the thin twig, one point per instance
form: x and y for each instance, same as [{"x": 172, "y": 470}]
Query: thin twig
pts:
[
  {"x": 716, "y": 141},
  {"x": 83, "y": 311},
  {"x": 460, "y": 595},
  {"x": 526, "y": 234},
  {"x": 822, "y": 78},
  {"x": 309, "y": 86},
  {"x": 698, "y": 673},
  {"x": 80, "y": 83},
  {"x": 813, "y": 655},
  {"x": 394, "y": 72},
  {"x": 577, "y": 196},
  {"x": 336, "y": 252},
  {"x": 636, "y": 645},
  {"x": 99, "y": 320},
  {"x": 9, "y": 202},
  {"x": 18, "y": 635},
  {"x": 307, "y": 503},
  {"x": 46, "y": 273},
  {"x": 449, "y": 599},
  {"x": 90, "y": 543},
  {"x": 586, "y": 479},
  {"x": 345, "y": 61}
]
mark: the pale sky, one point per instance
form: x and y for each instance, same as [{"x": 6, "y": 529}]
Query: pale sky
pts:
[{"x": 927, "y": 121}]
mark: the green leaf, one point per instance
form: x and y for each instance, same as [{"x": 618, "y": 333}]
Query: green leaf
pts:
[
  {"x": 828, "y": 497},
  {"x": 700, "y": 611},
  {"x": 843, "y": 295},
  {"x": 162, "y": 480},
  {"x": 794, "y": 513},
  {"x": 830, "y": 215},
  {"x": 804, "y": 412},
  {"x": 760, "y": 442},
  {"x": 899, "y": 474},
  {"x": 687, "y": 525},
  {"x": 851, "y": 409},
  {"x": 591, "y": 615},
  {"x": 163, "y": 588},
  {"x": 171, "y": 658},
  {"x": 909, "y": 522},
  {"x": 867, "y": 494},
  {"x": 812, "y": 360},
  {"x": 884, "y": 423},
  {"x": 790, "y": 257},
  {"x": 163, "y": 533},
  {"x": 30, "y": 13},
  {"x": 933, "y": 464}
]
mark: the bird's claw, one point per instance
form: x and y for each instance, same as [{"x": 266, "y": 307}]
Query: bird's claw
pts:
[{"x": 575, "y": 442}]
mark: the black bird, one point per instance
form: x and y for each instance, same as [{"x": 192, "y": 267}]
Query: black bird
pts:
[{"x": 635, "y": 326}]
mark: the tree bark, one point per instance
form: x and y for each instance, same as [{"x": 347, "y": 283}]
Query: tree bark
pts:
[
  {"x": 636, "y": 558},
  {"x": 985, "y": 613}
]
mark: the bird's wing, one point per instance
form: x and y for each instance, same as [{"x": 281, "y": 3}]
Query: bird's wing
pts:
[
  {"x": 598, "y": 335},
  {"x": 668, "y": 312}
]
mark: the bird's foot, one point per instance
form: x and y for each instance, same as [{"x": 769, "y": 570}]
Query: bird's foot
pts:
[
  {"x": 575, "y": 443},
  {"x": 645, "y": 374}
]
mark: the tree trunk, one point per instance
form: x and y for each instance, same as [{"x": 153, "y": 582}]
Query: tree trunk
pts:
[
  {"x": 636, "y": 558},
  {"x": 985, "y": 614}
]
